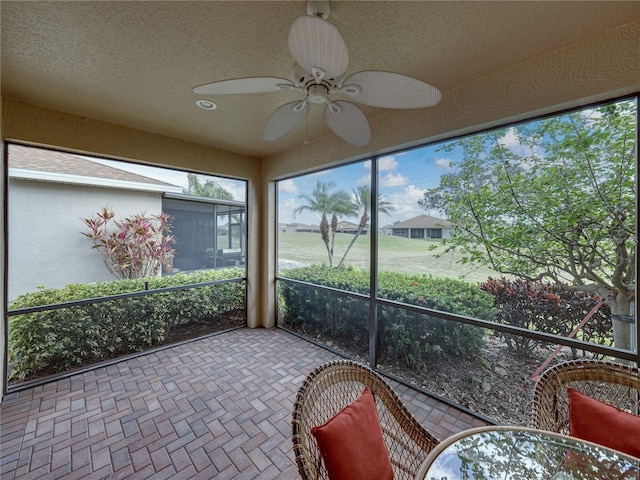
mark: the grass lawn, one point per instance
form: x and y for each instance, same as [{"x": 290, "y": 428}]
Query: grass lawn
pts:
[{"x": 395, "y": 254}]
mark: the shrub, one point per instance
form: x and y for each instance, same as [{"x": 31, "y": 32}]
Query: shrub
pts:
[
  {"x": 410, "y": 338},
  {"x": 551, "y": 308},
  {"x": 135, "y": 247},
  {"x": 56, "y": 340},
  {"x": 323, "y": 314}
]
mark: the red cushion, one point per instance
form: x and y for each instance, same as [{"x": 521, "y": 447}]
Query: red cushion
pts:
[
  {"x": 598, "y": 422},
  {"x": 351, "y": 442}
]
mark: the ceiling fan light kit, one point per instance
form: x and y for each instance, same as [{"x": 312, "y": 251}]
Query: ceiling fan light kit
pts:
[{"x": 322, "y": 58}]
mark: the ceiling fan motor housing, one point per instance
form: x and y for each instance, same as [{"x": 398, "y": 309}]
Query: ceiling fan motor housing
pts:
[{"x": 317, "y": 93}]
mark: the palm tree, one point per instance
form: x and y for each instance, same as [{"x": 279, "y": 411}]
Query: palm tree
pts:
[
  {"x": 209, "y": 189},
  {"x": 362, "y": 196},
  {"x": 325, "y": 202},
  {"x": 341, "y": 204}
]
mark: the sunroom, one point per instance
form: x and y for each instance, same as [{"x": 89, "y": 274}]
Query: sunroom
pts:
[{"x": 115, "y": 82}]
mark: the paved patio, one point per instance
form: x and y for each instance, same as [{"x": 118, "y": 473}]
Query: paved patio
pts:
[{"x": 218, "y": 407}]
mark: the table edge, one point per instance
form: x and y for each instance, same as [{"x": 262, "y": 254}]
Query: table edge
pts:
[{"x": 424, "y": 466}]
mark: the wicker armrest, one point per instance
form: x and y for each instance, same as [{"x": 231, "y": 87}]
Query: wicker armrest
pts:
[
  {"x": 333, "y": 386},
  {"x": 612, "y": 383}
]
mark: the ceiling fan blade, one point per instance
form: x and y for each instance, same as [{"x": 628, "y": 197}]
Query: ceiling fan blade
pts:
[
  {"x": 391, "y": 90},
  {"x": 315, "y": 43},
  {"x": 245, "y": 85},
  {"x": 284, "y": 119},
  {"x": 348, "y": 122}
]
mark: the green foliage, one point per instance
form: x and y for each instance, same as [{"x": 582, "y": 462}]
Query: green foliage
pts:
[
  {"x": 548, "y": 308},
  {"x": 209, "y": 189},
  {"x": 321, "y": 314},
  {"x": 551, "y": 200},
  {"x": 406, "y": 337},
  {"x": 57, "y": 340}
]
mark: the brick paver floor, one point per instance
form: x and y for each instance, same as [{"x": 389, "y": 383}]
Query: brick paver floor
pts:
[{"x": 217, "y": 407}]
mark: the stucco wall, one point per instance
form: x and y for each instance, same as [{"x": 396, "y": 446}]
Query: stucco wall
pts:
[{"x": 44, "y": 223}]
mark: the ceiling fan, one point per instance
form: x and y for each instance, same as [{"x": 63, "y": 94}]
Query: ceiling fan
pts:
[{"x": 321, "y": 58}]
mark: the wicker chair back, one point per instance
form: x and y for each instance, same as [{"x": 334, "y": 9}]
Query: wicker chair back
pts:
[{"x": 333, "y": 386}]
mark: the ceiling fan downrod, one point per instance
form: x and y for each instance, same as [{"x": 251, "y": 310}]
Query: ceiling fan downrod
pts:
[{"x": 319, "y": 8}]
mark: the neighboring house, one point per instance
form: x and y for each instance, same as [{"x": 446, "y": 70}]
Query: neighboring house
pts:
[
  {"x": 423, "y": 226},
  {"x": 289, "y": 227},
  {"x": 352, "y": 228},
  {"x": 343, "y": 227},
  {"x": 301, "y": 228},
  {"x": 387, "y": 230},
  {"x": 51, "y": 192}
]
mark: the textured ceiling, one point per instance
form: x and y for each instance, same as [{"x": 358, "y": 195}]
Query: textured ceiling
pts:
[{"x": 135, "y": 63}]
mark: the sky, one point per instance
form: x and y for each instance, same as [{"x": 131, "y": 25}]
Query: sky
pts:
[
  {"x": 236, "y": 187},
  {"x": 403, "y": 179}
]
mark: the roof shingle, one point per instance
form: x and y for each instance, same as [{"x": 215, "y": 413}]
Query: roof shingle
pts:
[{"x": 38, "y": 159}]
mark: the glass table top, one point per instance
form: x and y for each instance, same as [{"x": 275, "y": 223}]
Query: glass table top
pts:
[{"x": 519, "y": 454}]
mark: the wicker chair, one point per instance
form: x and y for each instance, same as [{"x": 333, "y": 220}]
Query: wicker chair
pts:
[
  {"x": 333, "y": 386},
  {"x": 615, "y": 384}
]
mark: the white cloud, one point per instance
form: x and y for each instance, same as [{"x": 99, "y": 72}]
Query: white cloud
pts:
[
  {"x": 443, "y": 163},
  {"x": 393, "y": 180},
  {"x": 405, "y": 203},
  {"x": 285, "y": 213},
  {"x": 288, "y": 186},
  {"x": 511, "y": 141},
  {"x": 591, "y": 113},
  {"x": 364, "y": 179},
  {"x": 237, "y": 188},
  {"x": 387, "y": 164}
]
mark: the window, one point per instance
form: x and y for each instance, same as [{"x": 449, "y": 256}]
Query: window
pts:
[
  {"x": 50, "y": 193},
  {"x": 107, "y": 258},
  {"x": 495, "y": 255},
  {"x": 209, "y": 233}
]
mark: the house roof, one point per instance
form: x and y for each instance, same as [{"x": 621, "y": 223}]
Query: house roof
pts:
[
  {"x": 424, "y": 221},
  {"x": 43, "y": 160},
  {"x": 344, "y": 225},
  {"x": 53, "y": 166}
]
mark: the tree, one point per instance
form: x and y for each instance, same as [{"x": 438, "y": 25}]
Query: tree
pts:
[
  {"x": 135, "y": 247},
  {"x": 209, "y": 189},
  {"x": 362, "y": 196},
  {"x": 561, "y": 208},
  {"x": 325, "y": 202}
]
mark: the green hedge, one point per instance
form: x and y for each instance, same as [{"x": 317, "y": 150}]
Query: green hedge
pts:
[
  {"x": 57, "y": 340},
  {"x": 412, "y": 339}
]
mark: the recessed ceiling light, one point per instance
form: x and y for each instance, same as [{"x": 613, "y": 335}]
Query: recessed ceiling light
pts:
[{"x": 206, "y": 104}]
